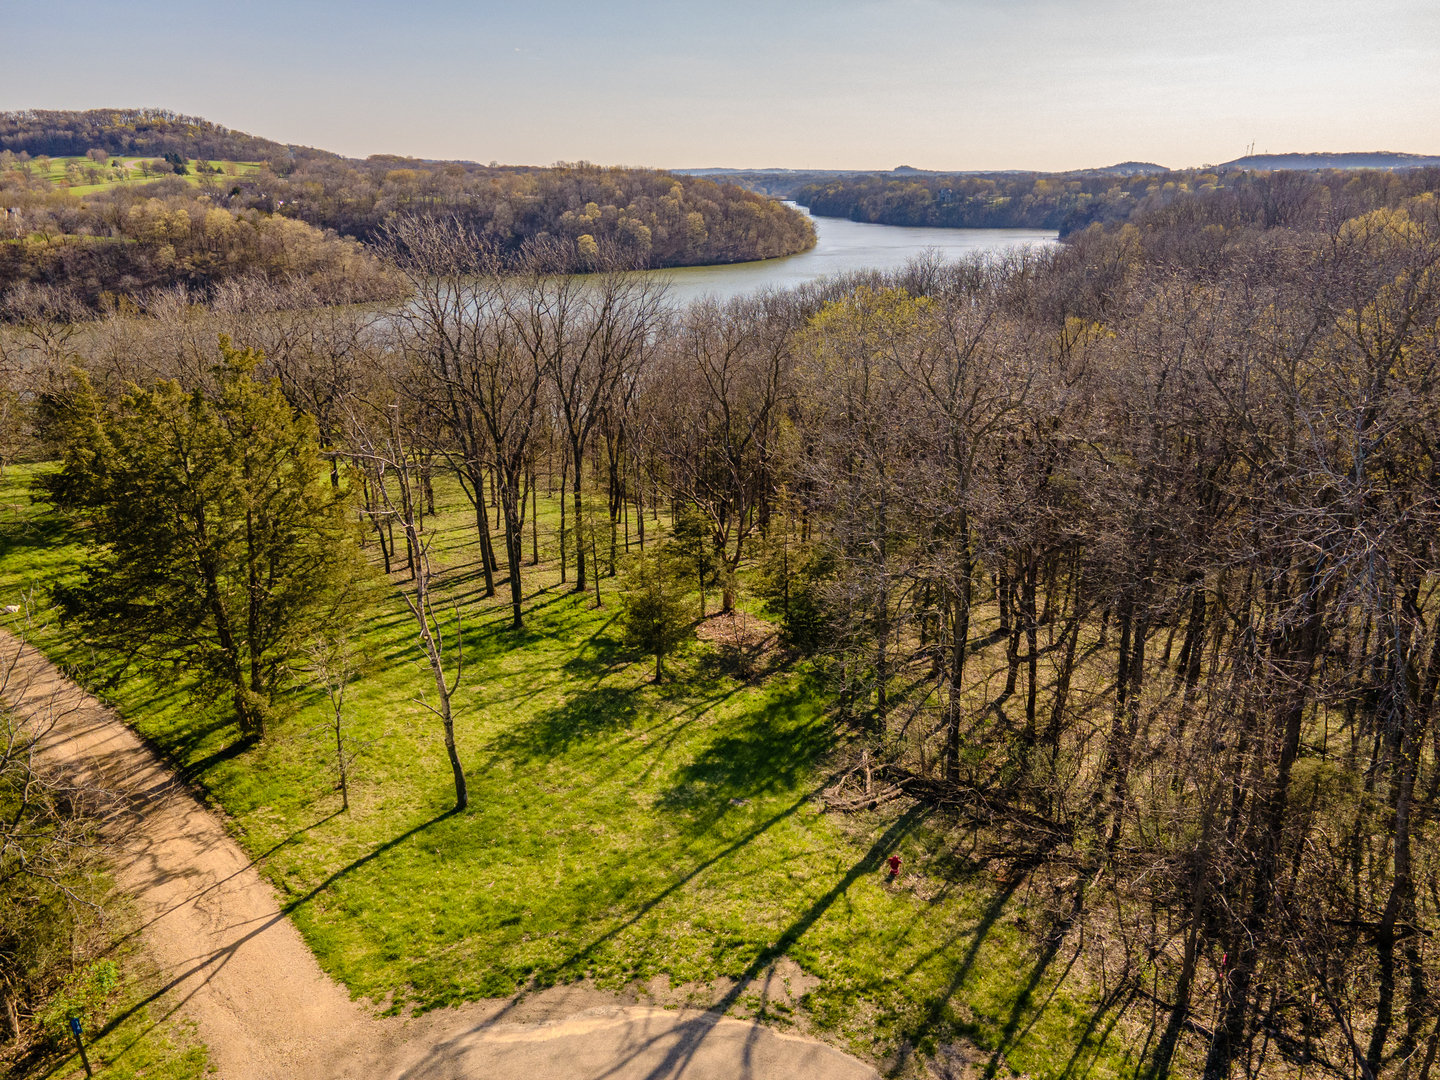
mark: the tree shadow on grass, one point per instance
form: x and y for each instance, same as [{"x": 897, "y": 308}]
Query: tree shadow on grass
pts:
[
  {"x": 935, "y": 1019},
  {"x": 773, "y": 754},
  {"x": 554, "y": 731},
  {"x": 577, "y": 963},
  {"x": 485, "y": 627},
  {"x": 1074, "y": 1066},
  {"x": 596, "y": 711},
  {"x": 669, "y": 731},
  {"x": 28, "y": 528},
  {"x": 684, "y": 1048},
  {"x": 194, "y": 771},
  {"x": 1024, "y": 1014},
  {"x": 597, "y": 655},
  {"x": 1013, "y": 1033}
]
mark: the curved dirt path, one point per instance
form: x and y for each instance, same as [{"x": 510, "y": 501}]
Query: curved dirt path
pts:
[{"x": 237, "y": 966}]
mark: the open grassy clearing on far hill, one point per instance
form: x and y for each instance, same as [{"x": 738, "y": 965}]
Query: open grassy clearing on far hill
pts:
[
  {"x": 617, "y": 830},
  {"x": 91, "y": 177}
]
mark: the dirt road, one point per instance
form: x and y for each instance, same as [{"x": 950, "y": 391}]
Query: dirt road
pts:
[{"x": 237, "y": 966}]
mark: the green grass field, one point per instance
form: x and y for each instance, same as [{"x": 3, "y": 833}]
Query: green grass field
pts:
[
  {"x": 617, "y": 830},
  {"x": 125, "y": 170}
]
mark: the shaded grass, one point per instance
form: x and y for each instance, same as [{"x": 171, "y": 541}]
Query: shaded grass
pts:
[
  {"x": 617, "y": 829},
  {"x": 133, "y": 1031}
]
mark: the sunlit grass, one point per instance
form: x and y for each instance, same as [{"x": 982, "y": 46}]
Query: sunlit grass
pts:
[
  {"x": 617, "y": 830},
  {"x": 128, "y": 173}
]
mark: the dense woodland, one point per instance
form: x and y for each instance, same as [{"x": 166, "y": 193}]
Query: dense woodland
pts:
[
  {"x": 301, "y": 225},
  {"x": 128, "y": 241},
  {"x": 134, "y": 133},
  {"x": 1070, "y": 202},
  {"x": 305, "y": 215},
  {"x": 649, "y": 217},
  {"x": 1124, "y": 553}
]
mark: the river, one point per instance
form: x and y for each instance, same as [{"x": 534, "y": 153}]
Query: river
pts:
[{"x": 841, "y": 246}]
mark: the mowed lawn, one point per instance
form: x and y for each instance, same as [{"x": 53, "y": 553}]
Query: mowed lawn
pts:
[{"x": 617, "y": 830}]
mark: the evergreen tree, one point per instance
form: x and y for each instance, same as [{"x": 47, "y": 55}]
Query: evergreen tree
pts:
[
  {"x": 654, "y": 613},
  {"x": 692, "y": 546},
  {"x": 790, "y": 585},
  {"x": 215, "y": 537}
]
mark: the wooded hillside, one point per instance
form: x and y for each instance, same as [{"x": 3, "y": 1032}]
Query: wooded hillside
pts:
[
  {"x": 649, "y": 217},
  {"x": 90, "y": 239},
  {"x": 1119, "y": 559},
  {"x": 130, "y": 240},
  {"x": 134, "y": 133},
  {"x": 1072, "y": 201}
]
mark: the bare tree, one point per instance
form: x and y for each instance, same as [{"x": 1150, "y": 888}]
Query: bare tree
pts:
[
  {"x": 49, "y": 837},
  {"x": 716, "y": 408},
  {"x": 379, "y": 437},
  {"x": 334, "y": 662},
  {"x": 451, "y": 278},
  {"x": 591, "y": 336}
]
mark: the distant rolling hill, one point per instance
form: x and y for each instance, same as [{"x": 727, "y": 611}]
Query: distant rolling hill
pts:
[
  {"x": 1125, "y": 168},
  {"x": 1374, "y": 159},
  {"x": 1130, "y": 168}
]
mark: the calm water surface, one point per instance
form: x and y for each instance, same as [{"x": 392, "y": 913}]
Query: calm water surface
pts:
[{"x": 842, "y": 246}]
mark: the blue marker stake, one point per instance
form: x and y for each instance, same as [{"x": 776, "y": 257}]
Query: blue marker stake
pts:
[{"x": 75, "y": 1030}]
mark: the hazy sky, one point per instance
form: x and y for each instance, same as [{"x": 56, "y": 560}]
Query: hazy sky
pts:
[{"x": 941, "y": 84}]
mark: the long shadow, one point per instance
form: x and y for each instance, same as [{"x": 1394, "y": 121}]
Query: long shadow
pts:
[
  {"x": 191, "y": 772},
  {"x": 491, "y": 623},
  {"x": 598, "y": 655},
  {"x": 598, "y": 710},
  {"x": 715, "y": 775},
  {"x": 556, "y": 730},
  {"x": 936, "y": 1012},
  {"x": 216, "y": 961},
  {"x": 569, "y": 964},
  {"x": 670, "y": 730},
  {"x": 39, "y": 533},
  {"x": 675, "y": 728},
  {"x": 252, "y": 864},
  {"x": 1011, "y": 1033},
  {"x": 1084, "y": 1041},
  {"x": 679, "y": 1055},
  {"x": 176, "y": 751},
  {"x": 773, "y": 754},
  {"x": 979, "y": 644}
]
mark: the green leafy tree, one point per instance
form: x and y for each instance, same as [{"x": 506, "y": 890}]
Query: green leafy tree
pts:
[
  {"x": 655, "y": 615},
  {"x": 215, "y": 535}
]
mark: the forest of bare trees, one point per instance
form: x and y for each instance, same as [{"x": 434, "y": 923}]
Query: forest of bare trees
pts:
[{"x": 1123, "y": 553}]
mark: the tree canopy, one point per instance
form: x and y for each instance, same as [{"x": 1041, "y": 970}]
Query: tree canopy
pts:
[
  {"x": 133, "y": 132},
  {"x": 215, "y": 537},
  {"x": 648, "y": 216},
  {"x": 309, "y": 217},
  {"x": 1072, "y": 201}
]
